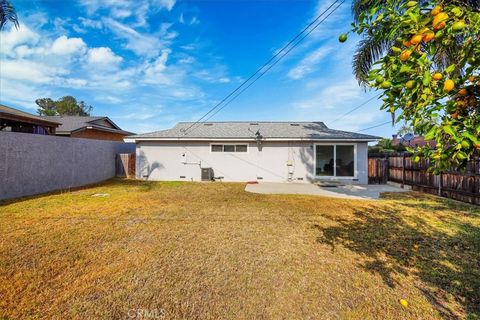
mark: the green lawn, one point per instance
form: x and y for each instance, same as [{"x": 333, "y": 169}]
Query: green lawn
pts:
[{"x": 211, "y": 250}]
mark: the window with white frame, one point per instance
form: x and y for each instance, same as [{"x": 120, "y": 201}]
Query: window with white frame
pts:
[
  {"x": 229, "y": 147},
  {"x": 335, "y": 160}
]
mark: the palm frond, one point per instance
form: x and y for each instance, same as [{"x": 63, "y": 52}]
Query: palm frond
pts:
[
  {"x": 369, "y": 50},
  {"x": 359, "y": 6},
  {"x": 7, "y": 13}
]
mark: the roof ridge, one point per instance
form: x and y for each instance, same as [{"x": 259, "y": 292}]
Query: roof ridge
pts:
[{"x": 251, "y": 121}]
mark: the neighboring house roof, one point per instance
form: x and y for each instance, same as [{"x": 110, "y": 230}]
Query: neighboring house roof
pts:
[
  {"x": 416, "y": 141},
  {"x": 246, "y": 130},
  {"x": 12, "y": 114},
  {"x": 71, "y": 124}
]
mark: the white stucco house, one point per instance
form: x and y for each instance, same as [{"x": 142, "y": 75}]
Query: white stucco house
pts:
[{"x": 252, "y": 151}]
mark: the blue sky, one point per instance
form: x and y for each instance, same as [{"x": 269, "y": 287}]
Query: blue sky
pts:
[{"x": 148, "y": 64}]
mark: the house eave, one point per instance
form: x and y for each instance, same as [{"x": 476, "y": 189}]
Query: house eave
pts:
[{"x": 139, "y": 139}]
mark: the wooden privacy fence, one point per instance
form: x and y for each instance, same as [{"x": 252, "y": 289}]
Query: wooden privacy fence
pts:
[
  {"x": 125, "y": 165},
  {"x": 462, "y": 186}
]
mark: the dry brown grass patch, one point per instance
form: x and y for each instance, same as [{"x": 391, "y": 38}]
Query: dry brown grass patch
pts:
[{"x": 209, "y": 251}]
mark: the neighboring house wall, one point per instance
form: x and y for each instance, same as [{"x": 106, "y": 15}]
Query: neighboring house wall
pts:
[
  {"x": 163, "y": 161},
  {"x": 34, "y": 164},
  {"x": 97, "y": 134}
]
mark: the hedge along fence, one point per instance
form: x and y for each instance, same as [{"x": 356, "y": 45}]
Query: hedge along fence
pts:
[
  {"x": 33, "y": 164},
  {"x": 400, "y": 168}
]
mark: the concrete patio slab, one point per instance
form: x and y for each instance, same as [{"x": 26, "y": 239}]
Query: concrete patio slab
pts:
[{"x": 371, "y": 192}]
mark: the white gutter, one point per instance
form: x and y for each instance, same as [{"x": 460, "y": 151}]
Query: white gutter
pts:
[{"x": 135, "y": 140}]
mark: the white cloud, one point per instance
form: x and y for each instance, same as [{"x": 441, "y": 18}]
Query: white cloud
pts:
[
  {"x": 167, "y": 4},
  {"x": 19, "y": 93},
  {"x": 28, "y": 71},
  {"x": 76, "y": 83},
  {"x": 86, "y": 23},
  {"x": 187, "y": 60},
  {"x": 140, "y": 44},
  {"x": 331, "y": 95},
  {"x": 154, "y": 72},
  {"x": 309, "y": 63},
  {"x": 194, "y": 21},
  {"x": 68, "y": 46},
  {"x": 103, "y": 56},
  {"x": 126, "y": 9},
  {"x": 216, "y": 74},
  {"x": 13, "y": 38}
]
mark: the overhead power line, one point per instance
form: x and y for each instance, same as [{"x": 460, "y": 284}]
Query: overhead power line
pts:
[
  {"x": 355, "y": 108},
  {"x": 375, "y": 126},
  {"x": 213, "y": 111}
]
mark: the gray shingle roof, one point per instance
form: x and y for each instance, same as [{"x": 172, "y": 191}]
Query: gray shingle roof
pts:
[
  {"x": 74, "y": 123},
  {"x": 247, "y": 129},
  {"x": 22, "y": 115}
]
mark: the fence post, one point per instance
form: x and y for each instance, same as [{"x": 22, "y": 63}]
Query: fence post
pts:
[
  {"x": 403, "y": 170},
  {"x": 387, "y": 169},
  {"x": 440, "y": 184}
]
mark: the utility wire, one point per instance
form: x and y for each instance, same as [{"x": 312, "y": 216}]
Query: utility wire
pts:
[
  {"x": 266, "y": 64},
  {"x": 376, "y": 126},
  {"x": 272, "y": 65},
  {"x": 354, "y": 109}
]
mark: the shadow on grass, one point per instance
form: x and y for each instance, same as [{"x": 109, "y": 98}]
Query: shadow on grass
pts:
[{"x": 447, "y": 264}]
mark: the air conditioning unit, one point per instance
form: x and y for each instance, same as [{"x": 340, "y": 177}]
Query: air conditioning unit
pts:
[{"x": 207, "y": 174}]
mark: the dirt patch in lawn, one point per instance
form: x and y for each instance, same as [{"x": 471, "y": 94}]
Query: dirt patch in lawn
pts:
[{"x": 211, "y": 250}]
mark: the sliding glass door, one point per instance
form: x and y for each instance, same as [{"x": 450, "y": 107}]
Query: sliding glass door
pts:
[{"x": 335, "y": 160}]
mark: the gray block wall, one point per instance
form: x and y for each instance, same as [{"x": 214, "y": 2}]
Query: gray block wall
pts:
[{"x": 33, "y": 164}]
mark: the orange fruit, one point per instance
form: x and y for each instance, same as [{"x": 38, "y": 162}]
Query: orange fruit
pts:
[
  {"x": 437, "y": 76},
  {"x": 448, "y": 85},
  {"x": 472, "y": 79},
  {"x": 407, "y": 43},
  {"x": 439, "y": 18},
  {"x": 454, "y": 115},
  {"x": 428, "y": 36},
  {"x": 423, "y": 30},
  {"x": 436, "y": 10},
  {"x": 477, "y": 145},
  {"x": 405, "y": 55},
  {"x": 440, "y": 25},
  {"x": 416, "y": 39},
  {"x": 462, "y": 92}
]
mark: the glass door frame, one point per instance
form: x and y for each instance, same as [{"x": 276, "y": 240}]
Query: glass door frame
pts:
[{"x": 334, "y": 144}]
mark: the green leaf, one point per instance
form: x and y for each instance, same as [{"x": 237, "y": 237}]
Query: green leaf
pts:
[
  {"x": 427, "y": 77},
  {"x": 449, "y": 130},
  {"x": 471, "y": 137},
  {"x": 404, "y": 68},
  {"x": 450, "y": 68},
  {"x": 431, "y": 134}
]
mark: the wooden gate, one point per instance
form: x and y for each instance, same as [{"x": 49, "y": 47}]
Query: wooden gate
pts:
[
  {"x": 125, "y": 165},
  {"x": 377, "y": 170}
]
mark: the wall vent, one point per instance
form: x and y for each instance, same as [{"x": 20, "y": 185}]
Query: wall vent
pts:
[
  {"x": 299, "y": 178},
  {"x": 182, "y": 177},
  {"x": 259, "y": 178}
]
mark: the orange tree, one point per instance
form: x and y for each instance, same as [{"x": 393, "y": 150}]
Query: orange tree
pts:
[{"x": 424, "y": 57}]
